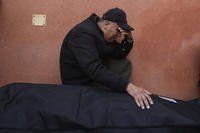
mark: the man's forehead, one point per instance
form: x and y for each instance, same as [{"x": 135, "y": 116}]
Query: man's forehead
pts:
[{"x": 115, "y": 24}]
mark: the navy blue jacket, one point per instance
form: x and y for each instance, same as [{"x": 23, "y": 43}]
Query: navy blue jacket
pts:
[{"x": 83, "y": 50}]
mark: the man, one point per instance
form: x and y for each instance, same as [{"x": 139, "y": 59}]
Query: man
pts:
[{"x": 89, "y": 44}]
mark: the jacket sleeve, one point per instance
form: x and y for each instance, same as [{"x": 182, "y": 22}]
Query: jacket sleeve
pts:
[
  {"x": 122, "y": 50},
  {"x": 86, "y": 53}
]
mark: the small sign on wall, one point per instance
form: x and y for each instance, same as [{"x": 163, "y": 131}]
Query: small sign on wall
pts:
[{"x": 39, "y": 19}]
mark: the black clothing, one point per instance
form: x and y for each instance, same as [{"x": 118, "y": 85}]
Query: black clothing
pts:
[
  {"x": 45, "y": 108},
  {"x": 199, "y": 80},
  {"x": 83, "y": 50}
]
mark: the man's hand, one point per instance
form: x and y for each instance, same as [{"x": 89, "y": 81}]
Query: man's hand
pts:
[
  {"x": 141, "y": 96},
  {"x": 121, "y": 35}
]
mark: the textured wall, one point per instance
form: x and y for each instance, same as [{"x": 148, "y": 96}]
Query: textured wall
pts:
[{"x": 166, "y": 55}]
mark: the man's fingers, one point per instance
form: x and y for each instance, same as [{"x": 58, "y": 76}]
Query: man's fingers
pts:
[
  {"x": 147, "y": 92},
  {"x": 149, "y": 98},
  {"x": 124, "y": 33},
  {"x": 141, "y": 96},
  {"x": 145, "y": 101},
  {"x": 141, "y": 101},
  {"x": 137, "y": 101}
]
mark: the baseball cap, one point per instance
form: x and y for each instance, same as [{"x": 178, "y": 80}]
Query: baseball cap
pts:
[{"x": 119, "y": 16}]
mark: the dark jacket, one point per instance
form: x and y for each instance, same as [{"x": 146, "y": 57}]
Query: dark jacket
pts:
[{"x": 82, "y": 53}]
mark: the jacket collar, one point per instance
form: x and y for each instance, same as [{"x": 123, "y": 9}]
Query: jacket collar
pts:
[{"x": 94, "y": 17}]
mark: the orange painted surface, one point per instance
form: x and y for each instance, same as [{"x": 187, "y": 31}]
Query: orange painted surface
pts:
[{"x": 166, "y": 55}]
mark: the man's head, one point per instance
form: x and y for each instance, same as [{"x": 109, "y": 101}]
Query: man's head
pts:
[
  {"x": 119, "y": 16},
  {"x": 113, "y": 21}
]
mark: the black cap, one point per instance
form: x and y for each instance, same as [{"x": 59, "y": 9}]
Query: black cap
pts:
[{"x": 119, "y": 16}]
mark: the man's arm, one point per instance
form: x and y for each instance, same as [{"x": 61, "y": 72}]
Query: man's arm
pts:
[
  {"x": 86, "y": 53},
  {"x": 141, "y": 96},
  {"x": 121, "y": 50},
  {"x": 123, "y": 44}
]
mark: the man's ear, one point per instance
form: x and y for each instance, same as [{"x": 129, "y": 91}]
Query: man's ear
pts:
[{"x": 105, "y": 26}]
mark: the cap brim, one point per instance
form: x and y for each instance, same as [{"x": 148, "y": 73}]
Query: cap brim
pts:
[{"x": 126, "y": 27}]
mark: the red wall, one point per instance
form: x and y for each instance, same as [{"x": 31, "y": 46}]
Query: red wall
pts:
[{"x": 166, "y": 55}]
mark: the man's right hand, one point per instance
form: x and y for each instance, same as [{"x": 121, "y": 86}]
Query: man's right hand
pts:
[
  {"x": 121, "y": 35},
  {"x": 141, "y": 96}
]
